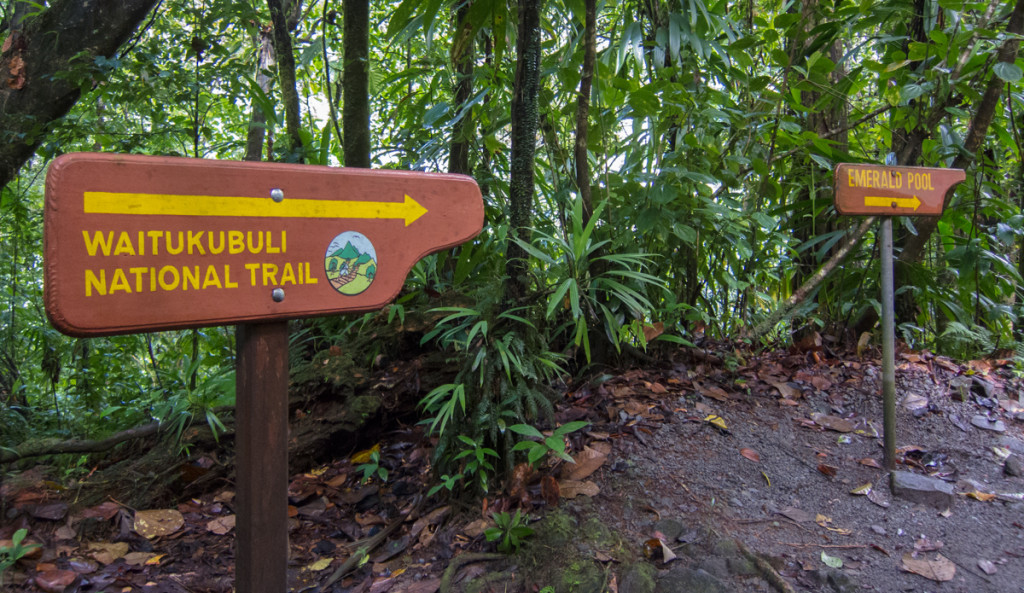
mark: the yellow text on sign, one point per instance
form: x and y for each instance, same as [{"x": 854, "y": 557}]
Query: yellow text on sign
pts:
[{"x": 881, "y": 179}]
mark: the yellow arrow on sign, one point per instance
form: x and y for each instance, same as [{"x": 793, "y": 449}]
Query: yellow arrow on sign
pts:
[
  {"x": 884, "y": 202},
  {"x": 98, "y": 202}
]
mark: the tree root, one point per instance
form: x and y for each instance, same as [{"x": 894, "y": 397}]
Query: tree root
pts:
[
  {"x": 368, "y": 545},
  {"x": 462, "y": 560},
  {"x": 51, "y": 447},
  {"x": 765, "y": 569}
]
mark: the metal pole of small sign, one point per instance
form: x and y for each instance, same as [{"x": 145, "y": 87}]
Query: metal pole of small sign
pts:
[
  {"x": 888, "y": 340},
  {"x": 261, "y": 447}
]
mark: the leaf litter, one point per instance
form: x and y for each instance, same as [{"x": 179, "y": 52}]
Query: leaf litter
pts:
[{"x": 630, "y": 414}]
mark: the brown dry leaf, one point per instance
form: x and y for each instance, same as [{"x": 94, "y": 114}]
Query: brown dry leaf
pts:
[
  {"x": 107, "y": 552},
  {"x": 787, "y": 402},
  {"x": 795, "y": 514},
  {"x": 713, "y": 391},
  {"x": 138, "y": 558},
  {"x": 940, "y": 569},
  {"x": 221, "y": 525},
  {"x": 832, "y": 422},
  {"x": 828, "y": 470},
  {"x": 658, "y": 388},
  {"x": 427, "y": 586},
  {"x": 654, "y": 330},
  {"x": 573, "y": 488},
  {"x": 787, "y": 391},
  {"x": 55, "y": 581},
  {"x": 869, "y": 462},
  {"x": 225, "y": 496},
  {"x": 150, "y": 524},
  {"x": 65, "y": 532},
  {"x": 476, "y": 528},
  {"x": 587, "y": 462},
  {"x": 549, "y": 490},
  {"x": 750, "y": 454},
  {"x": 820, "y": 383},
  {"x": 337, "y": 481},
  {"x": 105, "y": 511},
  {"x": 862, "y": 343}
]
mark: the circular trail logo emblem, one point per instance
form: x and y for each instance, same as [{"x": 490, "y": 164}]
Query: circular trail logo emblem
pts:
[{"x": 351, "y": 263}]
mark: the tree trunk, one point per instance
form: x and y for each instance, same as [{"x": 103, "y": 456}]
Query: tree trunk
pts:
[
  {"x": 286, "y": 72},
  {"x": 525, "y": 120},
  {"x": 355, "y": 115},
  {"x": 462, "y": 61},
  {"x": 258, "y": 120},
  {"x": 583, "y": 110},
  {"x": 46, "y": 63}
]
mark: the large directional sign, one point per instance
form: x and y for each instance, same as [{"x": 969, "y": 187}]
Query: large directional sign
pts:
[
  {"x": 893, "y": 191},
  {"x": 135, "y": 243}
]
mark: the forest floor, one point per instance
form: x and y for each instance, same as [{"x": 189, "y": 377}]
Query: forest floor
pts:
[{"x": 716, "y": 471}]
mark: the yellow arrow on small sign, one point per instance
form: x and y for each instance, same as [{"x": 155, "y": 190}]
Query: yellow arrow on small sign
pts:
[
  {"x": 97, "y": 202},
  {"x": 887, "y": 202}
]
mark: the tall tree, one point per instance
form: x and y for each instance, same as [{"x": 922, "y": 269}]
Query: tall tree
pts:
[
  {"x": 282, "y": 30},
  {"x": 48, "y": 59},
  {"x": 462, "y": 61},
  {"x": 525, "y": 121},
  {"x": 355, "y": 114},
  {"x": 583, "y": 109}
]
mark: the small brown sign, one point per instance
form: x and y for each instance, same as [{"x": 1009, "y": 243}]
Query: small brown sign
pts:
[
  {"x": 136, "y": 243},
  {"x": 893, "y": 191}
]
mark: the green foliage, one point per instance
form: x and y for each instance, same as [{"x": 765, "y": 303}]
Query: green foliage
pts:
[
  {"x": 9, "y": 555},
  {"x": 536, "y": 450},
  {"x": 373, "y": 468},
  {"x": 504, "y": 370},
  {"x": 509, "y": 531}
]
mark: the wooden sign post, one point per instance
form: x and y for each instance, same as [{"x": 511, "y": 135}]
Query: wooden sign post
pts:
[
  {"x": 890, "y": 191},
  {"x": 135, "y": 244}
]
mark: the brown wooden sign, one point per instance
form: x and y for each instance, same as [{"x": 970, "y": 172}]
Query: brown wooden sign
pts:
[
  {"x": 893, "y": 191},
  {"x": 136, "y": 243}
]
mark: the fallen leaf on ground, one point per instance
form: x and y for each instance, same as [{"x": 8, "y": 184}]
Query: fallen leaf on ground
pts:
[
  {"x": 573, "y": 488},
  {"x": 940, "y": 569},
  {"x": 105, "y": 511},
  {"x": 716, "y": 421},
  {"x": 55, "y": 581},
  {"x": 828, "y": 470},
  {"x": 869, "y": 462},
  {"x": 319, "y": 565},
  {"x": 862, "y": 490},
  {"x": 831, "y": 561},
  {"x": 786, "y": 390},
  {"x": 549, "y": 490},
  {"x": 832, "y": 422},
  {"x": 107, "y": 552},
  {"x": 795, "y": 514},
  {"x": 587, "y": 462},
  {"x": 979, "y": 495},
  {"x": 365, "y": 455},
  {"x": 713, "y": 391},
  {"x": 750, "y": 454},
  {"x": 150, "y": 524},
  {"x": 138, "y": 558},
  {"x": 987, "y": 566},
  {"x": 427, "y": 586},
  {"x": 221, "y": 525}
]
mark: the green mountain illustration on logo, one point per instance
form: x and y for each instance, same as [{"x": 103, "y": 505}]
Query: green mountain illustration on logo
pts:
[{"x": 347, "y": 252}]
